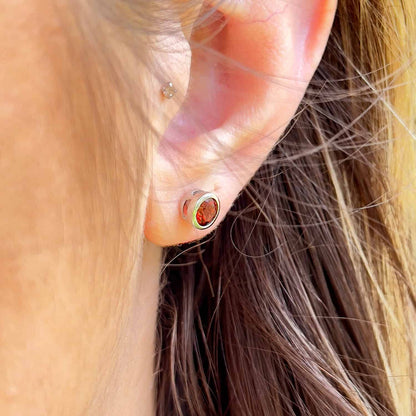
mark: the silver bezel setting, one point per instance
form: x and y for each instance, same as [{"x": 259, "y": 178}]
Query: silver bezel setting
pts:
[{"x": 195, "y": 202}]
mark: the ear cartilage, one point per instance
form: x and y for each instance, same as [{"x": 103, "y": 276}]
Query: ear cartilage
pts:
[
  {"x": 168, "y": 90},
  {"x": 201, "y": 209}
]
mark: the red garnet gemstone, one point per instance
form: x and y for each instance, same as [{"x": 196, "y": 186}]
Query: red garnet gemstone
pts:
[{"x": 207, "y": 212}]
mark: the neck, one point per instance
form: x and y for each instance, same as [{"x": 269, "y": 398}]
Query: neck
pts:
[{"x": 128, "y": 388}]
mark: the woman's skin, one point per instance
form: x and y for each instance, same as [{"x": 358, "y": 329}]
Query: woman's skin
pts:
[{"x": 78, "y": 294}]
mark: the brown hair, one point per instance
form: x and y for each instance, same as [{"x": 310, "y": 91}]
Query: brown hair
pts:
[{"x": 302, "y": 302}]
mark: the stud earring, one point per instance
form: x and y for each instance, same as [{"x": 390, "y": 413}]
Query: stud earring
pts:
[
  {"x": 201, "y": 209},
  {"x": 168, "y": 90}
]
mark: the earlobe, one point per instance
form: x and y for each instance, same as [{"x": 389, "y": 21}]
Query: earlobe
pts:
[{"x": 246, "y": 82}]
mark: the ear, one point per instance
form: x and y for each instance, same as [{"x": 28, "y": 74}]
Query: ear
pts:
[{"x": 246, "y": 80}]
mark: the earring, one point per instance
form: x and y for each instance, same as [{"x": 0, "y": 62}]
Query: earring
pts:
[
  {"x": 168, "y": 90},
  {"x": 201, "y": 209}
]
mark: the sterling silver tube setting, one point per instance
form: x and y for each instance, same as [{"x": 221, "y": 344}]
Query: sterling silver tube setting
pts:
[{"x": 201, "y": 209}]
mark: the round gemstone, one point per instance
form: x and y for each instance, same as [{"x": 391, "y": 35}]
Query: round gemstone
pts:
[
  {"x": 207, "y": 212},
  {"x": 168, "y": 90}
]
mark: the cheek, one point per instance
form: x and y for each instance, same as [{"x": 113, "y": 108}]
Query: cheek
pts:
[
  {"x": 34, "y": 141},
  {"x": 31, "y": 45}
]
